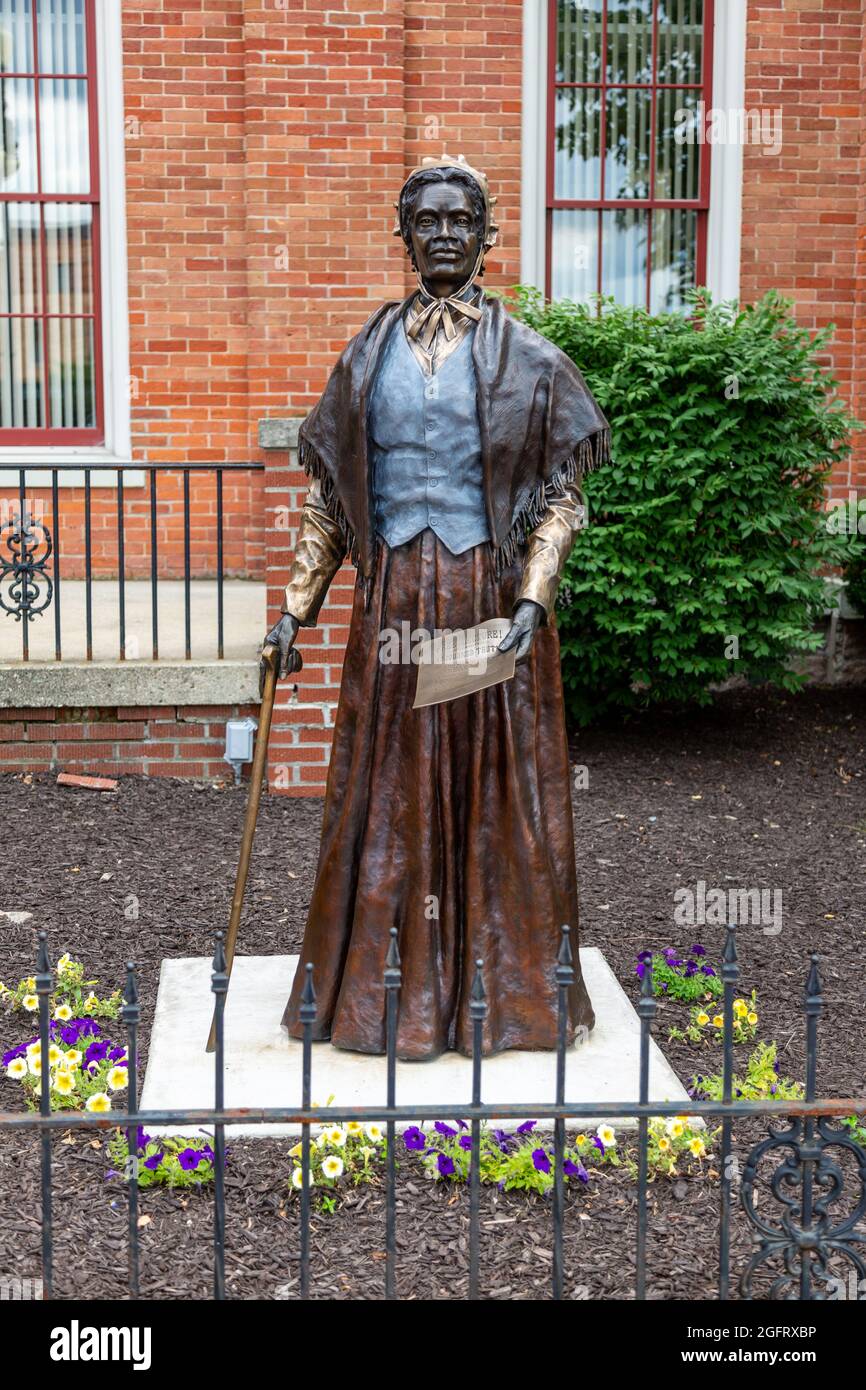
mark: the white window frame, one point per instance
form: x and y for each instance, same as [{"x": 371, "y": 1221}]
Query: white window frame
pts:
[
  {"x": 117, "y": 447},
  {"x": 724, "y": 235}
]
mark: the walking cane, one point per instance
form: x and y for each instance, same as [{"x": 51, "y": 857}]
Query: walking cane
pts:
[{"x": 271, "y": 658}]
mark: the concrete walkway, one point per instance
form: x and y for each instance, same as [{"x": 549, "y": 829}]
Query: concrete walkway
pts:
[{"x": 244, "y": 622}]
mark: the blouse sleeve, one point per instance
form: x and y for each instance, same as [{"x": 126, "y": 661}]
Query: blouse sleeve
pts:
[
  {"x": 319, "y": 553},
  {"x": 549, "y": 546}
]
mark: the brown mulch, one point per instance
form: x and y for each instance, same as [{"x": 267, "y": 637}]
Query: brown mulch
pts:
[{"x": 761, "y": 790}]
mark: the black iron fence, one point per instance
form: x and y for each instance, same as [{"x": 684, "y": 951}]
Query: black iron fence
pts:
[
  {"x": 808, "y": 1184},
  {"x": 30, "y": 551}
]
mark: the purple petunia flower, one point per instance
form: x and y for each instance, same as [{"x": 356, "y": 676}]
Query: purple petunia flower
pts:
[
  {"x": 504, "y": 1140},
  {"x": 698, "y": 950},
  {"x": 707, "y": 970},
  {"x": 15, "y": 1052},
  {"x": 96, "y": 1052},
  {"x": 442, "y": 1128},
  {"x": 526, "y": 1127},
  {"x": 644, "y": 957},
  {"x": 540, "y": 1161},
  {"x": 189, "y": 1159},
  {"x": 691, "y": 969},
  {"x": 143, "y": 1139},
  {"x": 465, "y": 1141},
  {"x": 72, "y": 1032},
  {"x": 598, "y": 1143},
  {"x": 445, "y": 1166},
  {"x": 575, "y": 1170},
  {"x": 156, "y": 1159},
  {"x": 414, "y": 1138}
]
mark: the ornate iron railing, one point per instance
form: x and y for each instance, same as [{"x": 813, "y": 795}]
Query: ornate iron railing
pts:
[
  {"x": 808, "y": 1184},
  {"x": 30, "y": 585}
]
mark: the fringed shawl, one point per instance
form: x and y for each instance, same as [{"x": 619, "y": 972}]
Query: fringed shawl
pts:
[{"x": 540, "y": 429}]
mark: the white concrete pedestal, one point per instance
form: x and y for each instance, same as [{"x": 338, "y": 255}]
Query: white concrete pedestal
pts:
[{"x": 263, "y": 1067}]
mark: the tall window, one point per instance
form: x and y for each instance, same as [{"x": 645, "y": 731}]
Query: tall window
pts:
[
  {"x": 628, "y": 174},
  {"x": 50, "y": 350}
]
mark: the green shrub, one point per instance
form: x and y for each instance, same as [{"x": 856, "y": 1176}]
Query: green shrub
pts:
[
  {"x": 707, "y": 535},
  {"x": 855, "y": 570}
]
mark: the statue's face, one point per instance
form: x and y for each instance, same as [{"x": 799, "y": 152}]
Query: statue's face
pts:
[{"x": 444, "y": 237}]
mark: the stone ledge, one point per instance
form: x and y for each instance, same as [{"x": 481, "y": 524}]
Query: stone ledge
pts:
[
  {"x": 280, "y": 434},
  {"x": 80, "y": 685}
]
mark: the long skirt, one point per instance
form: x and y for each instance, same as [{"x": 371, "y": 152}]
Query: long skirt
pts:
[{"x": 451, "y": 823}]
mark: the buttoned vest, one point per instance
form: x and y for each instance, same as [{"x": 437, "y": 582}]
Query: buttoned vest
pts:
[{"x": 425, "y": 448}]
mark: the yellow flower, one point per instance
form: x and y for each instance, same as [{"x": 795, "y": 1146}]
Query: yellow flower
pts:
[
  {"x": 29, "y": 983},
  {"x": 64, "y": 963},
  {"x": 35, "y": 1064},
  {"x": 298, "y": 1178},
  {"x": 366, "y": 1151},
  {"x": 607, "y": 1136},
  {"x": 63, "y": 1013},
  {"x": 332, "y": 1166},
  {"x": 336, "y": 1135},
  {"x": 718, "y": 1021},
  {"x": 752, "y": 1018},
  {"x": 98, "y": 1103},
  {"x": 63, "y": 1082},
  {"x": 54, "y": 1054},
  {"x": 30, "y": 1002},
  {"x": 664, "y": 1144},
  {"x": 580, "y": 1140},
  {"x": 91, "y": 1001},
  {"x": 73, "y": 1058},
  {"x": 354, "y": 1127},
  {"x": 117, "y": 1078},
  {"x": 375, "y": 1132},
  {"x": 297, "y": 1150},
  {"x": 703, "y": 1019},
  {"x": 17, "y": 1068},
  {"x": 675, "y": 1128},
  {"x": 696, "y": 1146},
  {"x": 740, "y": 1007}
]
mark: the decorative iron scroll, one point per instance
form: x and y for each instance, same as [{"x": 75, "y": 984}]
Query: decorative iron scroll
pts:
[
  {"x": 26, "y": 590},
  {"x": 806, "y": 1234}
]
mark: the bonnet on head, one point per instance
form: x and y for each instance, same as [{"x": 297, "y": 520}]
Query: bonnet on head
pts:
[{"x": 491, "y": 227}]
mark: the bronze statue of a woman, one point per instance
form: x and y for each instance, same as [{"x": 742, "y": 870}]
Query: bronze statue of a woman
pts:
[{"x": 445, "y": 458}]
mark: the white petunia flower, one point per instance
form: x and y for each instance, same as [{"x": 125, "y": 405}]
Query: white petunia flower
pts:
[{"x": 332, "y": 1166}]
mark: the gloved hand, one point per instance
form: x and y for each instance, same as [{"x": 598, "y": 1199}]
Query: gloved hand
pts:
[
  {"x": 283, "y": 635},
  {"x": 525, "y": 623}
]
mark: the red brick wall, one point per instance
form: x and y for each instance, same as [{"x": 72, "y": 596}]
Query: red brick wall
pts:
[
  {"x": 804, "y": 214},
  {"x": 191, "y": 393},
  {"x": 163, "y": 741}
]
